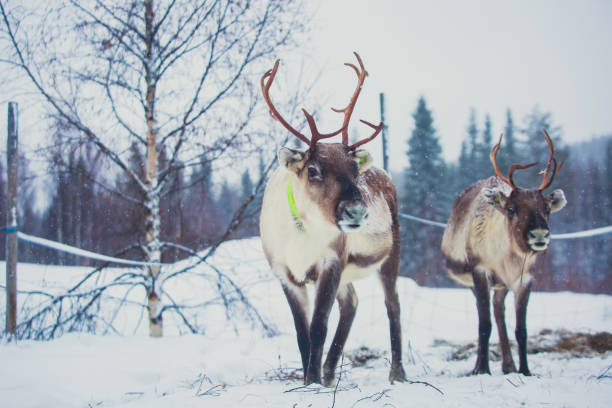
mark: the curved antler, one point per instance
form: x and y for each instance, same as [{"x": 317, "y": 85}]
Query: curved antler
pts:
[
  {"x": 265, "y": 88},
  {"x": 315, "y": 134},
  {"x": 348, "y": 111},
  {"x": 377, "y": 129},
  {"x": 552, "y": 164},
  {"x": 493, "y": 158},
  {"x": 546, "y": 181},
  {"x": 508, "y": 180}
]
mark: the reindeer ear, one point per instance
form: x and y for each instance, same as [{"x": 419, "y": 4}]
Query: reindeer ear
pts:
[
  {"x": 363, "y": 159},
  {"x": 556, "y": 200},
  {"x": 291, "y": 159},
  {"x": 495, "y": 197}
]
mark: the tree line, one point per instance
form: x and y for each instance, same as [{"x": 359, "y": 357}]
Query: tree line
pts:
[
  {"x": 153, "y": 103},
  {"x": 89, "y": 209},
  {"x": 429, "y": 185}
]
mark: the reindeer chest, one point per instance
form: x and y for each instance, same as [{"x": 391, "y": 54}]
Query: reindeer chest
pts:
[{"x": 305, "y": 253}]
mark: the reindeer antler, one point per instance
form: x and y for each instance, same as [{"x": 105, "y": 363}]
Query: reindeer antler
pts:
[
  {"x": 552, "y": 163},
  {"x": 508, "y": 180},
  {"x": 315, "y": 134},
  {"x": 493, "y": 158},
  {"x": 348, "y": 111},
  {"x": 546, "y": 181}
]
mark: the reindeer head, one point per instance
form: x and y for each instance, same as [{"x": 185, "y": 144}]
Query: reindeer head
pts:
[
  {"x": 527, "y": 210},
  {"x": 326, "y": 173}
]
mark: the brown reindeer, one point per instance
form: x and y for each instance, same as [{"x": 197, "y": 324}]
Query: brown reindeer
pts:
[
  {"x": 329, "y": 218},
  {"x": 493, "y": 238}
]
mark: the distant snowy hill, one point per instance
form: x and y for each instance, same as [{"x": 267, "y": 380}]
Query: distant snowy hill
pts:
[{"x": 234, "y": 365}]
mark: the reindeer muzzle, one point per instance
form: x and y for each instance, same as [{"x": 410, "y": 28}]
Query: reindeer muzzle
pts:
[
  {"x": 538, "y": 239},
  {"x": 351, "y": 216}
]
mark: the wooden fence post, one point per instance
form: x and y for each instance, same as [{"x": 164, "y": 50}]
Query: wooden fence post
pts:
[{"x": 11, "y": 219}]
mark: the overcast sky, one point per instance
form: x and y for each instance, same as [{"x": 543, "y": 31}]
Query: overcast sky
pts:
[{"x": 489, "y": 55}]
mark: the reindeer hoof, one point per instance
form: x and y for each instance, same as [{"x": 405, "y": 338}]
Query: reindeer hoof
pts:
[
  {"x": 397, "y": 374},
  {"x": 330, "y": 382},
  {"x": 481, "y": 370},
  {"x": 525, "y": 371},
  {"x": 312, "y": 378},
  {"x": 329, "y": 376},
  {"x": 508, "y": 368}
]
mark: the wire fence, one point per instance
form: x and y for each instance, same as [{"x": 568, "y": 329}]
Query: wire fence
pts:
[
  {"x": 58, "y": 246},
  {"x": 426, "y": 314},
  {"x": 570, "y": 235}
]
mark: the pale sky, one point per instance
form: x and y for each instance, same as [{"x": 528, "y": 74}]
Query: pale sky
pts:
[{"x": 489, "y": 55}]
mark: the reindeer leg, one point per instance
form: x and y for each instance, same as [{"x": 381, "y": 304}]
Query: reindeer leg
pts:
[
  {"x": 388, "y": 276},
  {"x": 347, "y": 300},
  {"x": 499, "y": 296},
  {"x": 327, "y": 288},
  {"x": 481, "y": 291},
  {"x": 298, "y": 302},
  {"x": 521, "y": 300}
]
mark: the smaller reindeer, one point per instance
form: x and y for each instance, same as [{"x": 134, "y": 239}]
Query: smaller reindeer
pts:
[
  {"x": 328, "y": 218},
  {"x": 493, "y": 238}
]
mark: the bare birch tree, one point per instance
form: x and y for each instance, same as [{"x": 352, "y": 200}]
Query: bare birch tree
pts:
[{"x": 165, "y": 75}]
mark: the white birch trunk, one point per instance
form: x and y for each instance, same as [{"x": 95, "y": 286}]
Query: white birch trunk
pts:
[{"x": 153, "y": 217}]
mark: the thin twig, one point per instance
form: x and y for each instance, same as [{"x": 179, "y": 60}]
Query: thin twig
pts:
[
  {"x": 605, "y": 373},
  {"x": 374, "y": 397},
  {"x": 213, "y": 391},
  {"x": 338, "y": 382}
]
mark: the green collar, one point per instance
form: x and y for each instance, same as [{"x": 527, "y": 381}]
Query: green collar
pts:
[{"x": 291, "y": 200}]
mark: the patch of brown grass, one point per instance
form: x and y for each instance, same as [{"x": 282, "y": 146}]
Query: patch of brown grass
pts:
[
  {"x": 361, "y": 356},
  {"x": 565, "y": 342}
]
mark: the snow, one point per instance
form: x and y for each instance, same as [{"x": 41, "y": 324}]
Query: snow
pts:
[{"x": 235, "y": 365}]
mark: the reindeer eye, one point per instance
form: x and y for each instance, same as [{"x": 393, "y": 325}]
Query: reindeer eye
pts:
[
  {"x": 313, "y": 173},
  {"x": 510, "y": 212}
]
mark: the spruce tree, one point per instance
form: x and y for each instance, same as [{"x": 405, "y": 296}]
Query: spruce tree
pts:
[
  {"x": 473, "y": 149},
  {"x": 487, "y": 137},
  {"x": 508, "y": 154},
  {"x": 463, "y": 175},
  {"x": 483, "y": 164},
  {"x": 468, "y": 158},
  {"x": 536, "y": 149},
  {"x": 425, "y": 195},
  {"x": 247, "y": 184}
]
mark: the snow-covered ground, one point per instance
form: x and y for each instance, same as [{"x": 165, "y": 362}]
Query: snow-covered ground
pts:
[{"x": 234, "y": 365}]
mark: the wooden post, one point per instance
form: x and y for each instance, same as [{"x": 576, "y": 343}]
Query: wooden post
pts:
[
  {"x": 11, "y": 220},
  {"x": 384, "y": 133}
]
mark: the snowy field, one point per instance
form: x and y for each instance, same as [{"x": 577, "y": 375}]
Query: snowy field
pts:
[{"x": 235, "y": 365}]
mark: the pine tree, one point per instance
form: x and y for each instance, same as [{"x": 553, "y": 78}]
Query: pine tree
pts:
[
  {"x": 487, "y": 137},
  {"x": 468, "y": 158},
  {"x": 425, "y": 195},
  {"x": 247, "y": 184},
  {"x": 199, "y": 207},
  {"x": 508, "y": 154},
  {"x": 535, "y": 147},
  {"x": 483, "y": 164},
  {"x": 472, "y": 131}
]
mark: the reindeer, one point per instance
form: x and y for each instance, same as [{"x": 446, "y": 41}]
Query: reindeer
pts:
[
  {"x": 329, "y": 218},
  {"x": 493, "y": 238}
]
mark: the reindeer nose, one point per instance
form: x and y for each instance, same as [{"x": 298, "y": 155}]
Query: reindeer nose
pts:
[
  {"x": 538, "y": 239},
  {"x": 352, "y": 216}
]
